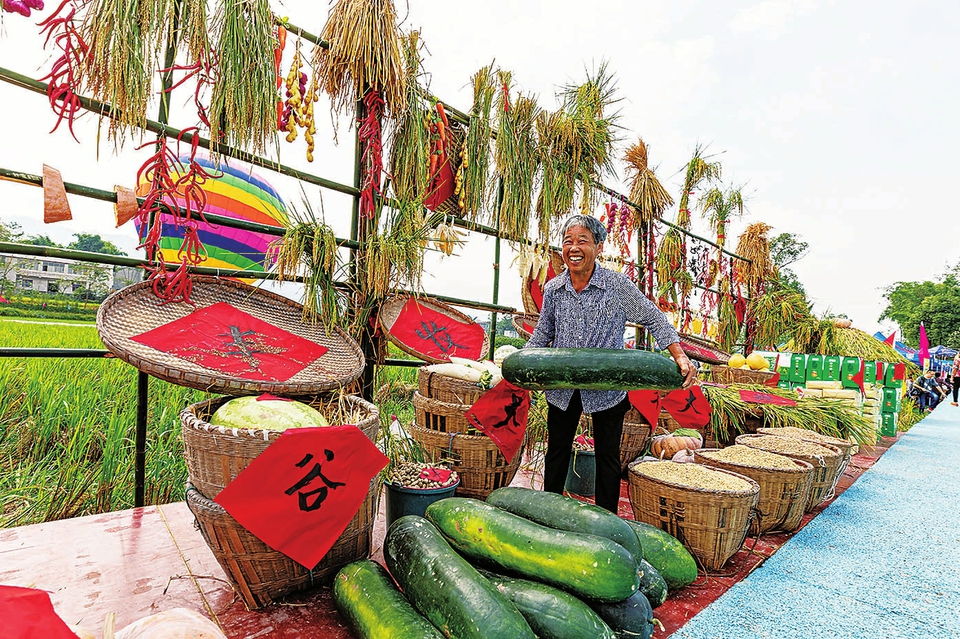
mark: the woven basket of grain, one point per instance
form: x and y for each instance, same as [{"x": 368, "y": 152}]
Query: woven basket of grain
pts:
[
  {"x": 633, "y": 439},
  {"x": 215, "y": 454},
  {"x": 784, "y": 483},
  {"x": 827, "y": 461},
  {"x": 709, "y": 510},
  {"x": 813, "y": 436},
  {"x": 727, "y": 375},
  {"x": 261, "y": 575}
]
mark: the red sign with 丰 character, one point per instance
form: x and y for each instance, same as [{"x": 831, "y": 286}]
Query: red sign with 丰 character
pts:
[
  {"x": 224, "y": 338},
  {"x": 299, "y": 495},
  {"x": 439, "y": 336}
]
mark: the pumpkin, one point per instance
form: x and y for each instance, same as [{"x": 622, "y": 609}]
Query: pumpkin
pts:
[{"x": 666, "y": 446}]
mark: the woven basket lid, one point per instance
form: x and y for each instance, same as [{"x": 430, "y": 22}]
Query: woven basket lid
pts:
[
  {"x": 390, "y": 311},
  {"x": 702, "y": 350},
  {"x": 530, "y": 305},
  {"x": 522, "y": 321},
  {"x": 135, "y": 310}
]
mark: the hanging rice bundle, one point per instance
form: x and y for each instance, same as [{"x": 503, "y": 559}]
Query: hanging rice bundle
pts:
[
  {"x": 670, "y": 264},
  {"x": 125, "y": 38},
  {"x": 516, "y": 160},
  {"x": 366, "y": 52},
  {"x": 645, "y": 191},
  {"x": 410, "y": 153},
  {"x": 727, "y": 317},
  {"x": 243, "y": 104},
  {"x": 754, "y": 246},
  {"x": 474, "y": 169},
  {"x": 698, "y": 170},
  {"x": 775, "y": 314},
  {"x": 192, "y": 33},
  {"x": 556, "y": 133},
  {"x": 720, "y": 208}
]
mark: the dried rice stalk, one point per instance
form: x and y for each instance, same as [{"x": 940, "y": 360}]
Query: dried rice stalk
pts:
[
  {"x": 698, "y": 170},
  {"x": 516, "y": 159},
  {"x": 472, "y": 177},
  {"x": 754, "y": 246},
  {"x": 365, "y": 53},
  {"x": 692, "y": 476},
  {"x": 722, "y": 207},
  {"x": 646, "y": 190},
  {"x": 410, "y": 152}
]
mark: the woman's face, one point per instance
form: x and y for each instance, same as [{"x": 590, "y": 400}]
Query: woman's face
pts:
[{"x": 580, "y": 250}]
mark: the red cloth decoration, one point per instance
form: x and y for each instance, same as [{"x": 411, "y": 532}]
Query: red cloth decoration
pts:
[
  {"x": 879, "y": 369},
  {"x": 858, "y": 378},
  {"x": 299, "y": 495},
  {"x": 647, "y": 403},
  {"x": 28, "y": 613},
  {"x": 501, "y": 414},
  {"x": 437, "y": 335},
  {"x": 529, "y": 327},
  {"x": 688, "y": 406},
  {"x": 891, "y": 341},
  {"x": 441, "y": 186},
  {"x": 226, "y": 339},
  {"x": 755, "y": 397},
  {"x": 899, "y": 371},
  {"x": 435, "y": 474},
  {"x": 267, "y": 397},
  {"x": 773, "y": 381}
]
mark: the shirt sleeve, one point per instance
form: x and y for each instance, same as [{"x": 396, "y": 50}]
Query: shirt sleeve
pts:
[
  {"x": 544, "y": 332},
  {"x": 640, "y": 310}
]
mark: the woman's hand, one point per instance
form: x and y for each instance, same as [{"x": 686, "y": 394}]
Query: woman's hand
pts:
[{"x": 687, "y": 369}]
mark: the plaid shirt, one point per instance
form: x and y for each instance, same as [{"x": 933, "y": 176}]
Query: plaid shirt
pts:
[{"x": 595, "y": 317}]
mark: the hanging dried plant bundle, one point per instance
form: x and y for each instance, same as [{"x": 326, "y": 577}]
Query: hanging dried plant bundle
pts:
[
  {"x": 472, "y": 187},
  {"x": 775, "y": 314},
  {"x": 669, "y": 264},
  {"x": 366, "y": 52},
  {"x": 727, "y": 317},
  {"x": 556, "y": 134},
  {"x": 645, "y": 191},
  {"x": 410, "y": 152},
  {"x": 192, "y": 33},
  {"x": 754, "y": 246},
  {"x": 125, "y": 39},
  {"x": 720, "y": 208},
  {"x": 243, "y": 104},
  {"x": 698, "y": 170},
  {"x": 516, "y": 160}
]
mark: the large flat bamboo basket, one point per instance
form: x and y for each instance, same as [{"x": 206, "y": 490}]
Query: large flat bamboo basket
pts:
[
  {"x": 390, "y": 311},
  {"x": 522, "y": 321},
  {"x": 529, "y": 304},
  {"x": 216, "y": 455},
  {"x": 702, "y": 350},
  {"x": 811, "y": 436},
  {"x": 135, "y": 309},
  {"x": 826, "y": 469},
  {"x": 784, "y": 493},
  {"x": 447, "y": 389},
  {"x": 476, "y": 458},
  {"x": 633, "y": 439},
  {"x": 712, "y": 524},
  {"x": 261, "y": 575}
]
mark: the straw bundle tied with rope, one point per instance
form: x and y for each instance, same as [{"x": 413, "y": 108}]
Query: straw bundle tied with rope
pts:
[
  {"x": 645, "y": 190},
  {"x": 755, "y": 246},
  {"x": 365, "y": 52}
]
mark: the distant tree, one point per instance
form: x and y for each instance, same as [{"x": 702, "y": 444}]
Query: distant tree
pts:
[
  {"x": 787, "y": 249},
  {"x": 93, "y": 244},
  {"x": 96, "y": 281},
  {"x": 10, "y": 232},
  {"x": 936, "y": 304},
  {"x": 40, "y": 240}
]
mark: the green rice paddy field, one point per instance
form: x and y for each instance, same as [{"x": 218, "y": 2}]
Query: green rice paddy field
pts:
[{"x": 67, "y": 428}]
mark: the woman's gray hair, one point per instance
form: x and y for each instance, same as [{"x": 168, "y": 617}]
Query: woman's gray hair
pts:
[{"x": 592, "y": 224}]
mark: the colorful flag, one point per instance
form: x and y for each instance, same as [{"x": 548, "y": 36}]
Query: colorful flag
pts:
[
  {"x": 891, "y": 341},
  {"x": 647, "y": 403},
  {"x": 924, "y": 352}
]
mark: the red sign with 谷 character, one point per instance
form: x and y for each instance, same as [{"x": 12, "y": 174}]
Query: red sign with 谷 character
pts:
[
  {"x": 435, "y": 334},
  {"x": 501, "y": 414},
  {"x": 223, "y": 338},
  {"x": 299, "y": 495}
]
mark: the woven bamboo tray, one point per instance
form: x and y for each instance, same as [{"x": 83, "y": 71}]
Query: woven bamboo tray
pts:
[
  {"x": 712, "y": 524},
  {"x": 826, "y": 469},
  {"x": 390, "y": 311},
  {"x": 702, "y": 350},
  {"x": 634, "y": 438},
  {"x": 783, "y": 493},
  {"x": 135, "y": 309},
  {"x": 215, "y": 455},
  {"x": 476, "y": 458},
  {"x": 447, "y": 389},
  {"x": 262, "y": 575},
  {"x": 443, "y": 417},
  {"x": 529, "y": 304},
  {"x": 528, "y": 319},
  {"x": 727, "y": 375}
]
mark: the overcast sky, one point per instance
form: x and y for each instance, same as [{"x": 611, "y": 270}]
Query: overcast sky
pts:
[{"x": 837, "y": 118}]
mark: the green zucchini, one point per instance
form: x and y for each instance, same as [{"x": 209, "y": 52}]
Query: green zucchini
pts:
[
  {"x": 366, "y": 596},
  {"x": 631, "y": 618},
  {"x": 588, "y": 566},
  {"x": 566, "y": 513},
  {"x": 551, "y": 613},
  {"x": 590, "y": 369},
  {"x": 652, "y": 584},
  {"x": 446, "y": 589},
  {"x": 666, "y": 554}
]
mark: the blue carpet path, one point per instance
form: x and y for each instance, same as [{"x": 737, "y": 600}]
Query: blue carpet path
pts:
[{"x": 883, "y": 560}]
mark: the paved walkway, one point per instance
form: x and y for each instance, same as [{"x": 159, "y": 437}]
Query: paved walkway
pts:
[{"x": 883, "y": 560}]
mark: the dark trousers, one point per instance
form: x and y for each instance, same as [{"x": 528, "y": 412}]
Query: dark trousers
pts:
[
  {"x": 607, "y": 429},
  {"x": 956, "y": 388}
]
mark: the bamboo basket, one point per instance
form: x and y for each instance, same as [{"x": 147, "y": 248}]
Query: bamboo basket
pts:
[
  {"x": 826, "y": 469},
  {"x": 447, "y": 389},
  {"x": 812, "y": 436},
  {"x": 216, "y": 455},
  {"x": 261, "y": 575},
  {"x": 524, "y": 320},
  {"x": 634, "y": 438},
  {"x": 727, "y": 375},
  {"x": 783, "y": 493},
  {"x": 441, "y": 416},
  {"x": 390, "y": 312},
  {"x": 476, "y": 458},
  {"x": 712, "y": 524},
  {"x": 529, "y": 304}
]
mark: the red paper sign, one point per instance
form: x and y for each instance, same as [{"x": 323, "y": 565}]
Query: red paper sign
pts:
[
  {"x": 858, "y": 378},
  {"x": 647, "y": 403},
  {"x": 28, "y": 613},
  {"x": 688, "y": 406},
  {"x": 755, "y": 397},
  {"x": 437, "y": 335},
  {"x": 501, "y": 414},
  {"x": 899, "y": 371},
  {"x": 226, "y": 339},
  {"x": 441, "y": 185},
  {"x": 299, "y": 494},
  {"x": 773, "y": 381},
  {"x": 879, "y": 369}
]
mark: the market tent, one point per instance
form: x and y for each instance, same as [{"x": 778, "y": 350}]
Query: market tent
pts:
[
  {"x": 909, "y": 354},
  {"x": 942, "y": 352}
]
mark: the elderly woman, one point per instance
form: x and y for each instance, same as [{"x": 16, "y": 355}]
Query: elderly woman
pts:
[{"x": 588, "y": 306}]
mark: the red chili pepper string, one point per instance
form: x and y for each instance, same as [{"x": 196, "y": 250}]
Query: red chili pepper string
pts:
[
  {"x": 64, "y": 76},
  {"x": 204, "y": 71},
  {"x": 372, "y": 142}
]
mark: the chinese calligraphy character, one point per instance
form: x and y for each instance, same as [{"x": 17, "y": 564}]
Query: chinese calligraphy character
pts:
[
  {"x": 510, "y": 412},
  {"x": 439, "y": 335},
  {"x": 691, "y": 398},
  {"x": 321, "y": 492}
]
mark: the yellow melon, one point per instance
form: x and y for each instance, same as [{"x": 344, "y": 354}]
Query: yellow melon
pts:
[
  {"x": 756, "y": 361},
  {"x": 736, "y": 360}
]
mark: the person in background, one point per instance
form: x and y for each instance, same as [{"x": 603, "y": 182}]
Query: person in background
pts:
[
  {"x": 589, "y": 306},
  {"x": 930, "y": 392},
  {"x": 955, "y": 377}
]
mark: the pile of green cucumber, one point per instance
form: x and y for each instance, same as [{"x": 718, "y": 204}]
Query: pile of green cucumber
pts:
[{"x": 522, "y": 564}]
